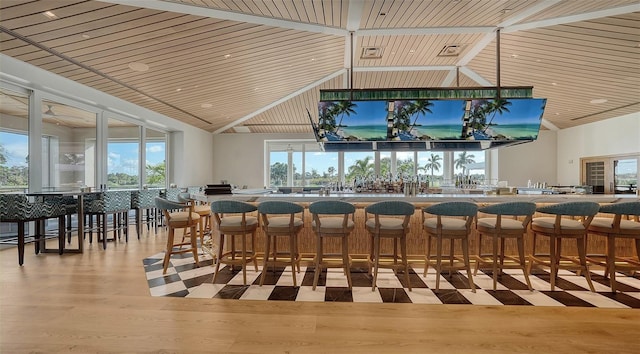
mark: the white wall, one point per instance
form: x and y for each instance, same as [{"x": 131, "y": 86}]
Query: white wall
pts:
[
  {"x": 239, "y": 158},
  {"x": 614, "y": 136},
  {"x": 191, "y": 154},
  {"x": 535, "y": 161}
]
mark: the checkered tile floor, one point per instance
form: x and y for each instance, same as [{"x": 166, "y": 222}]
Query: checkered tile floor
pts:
[{"x": 183, "y": 279}]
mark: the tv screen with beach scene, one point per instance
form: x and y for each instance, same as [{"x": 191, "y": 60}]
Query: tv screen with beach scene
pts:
[
  {"x": 427, "y": 120},
  {"x": 504, "y": 119},
  {"x": 352, "y": 121}
]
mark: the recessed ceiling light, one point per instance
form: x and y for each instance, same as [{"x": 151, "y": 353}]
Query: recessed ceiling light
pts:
[
  {"x": 514, "y": 56},
  {"x": 178, "y": 89},
  {"x": 412, "y": 51},
  {"x": 86, "y": 36},
  {"x": 554, "y": 84},
  {"x": 50, "y": 15},
  {"x": 313, "y": 59},
  {"x": 138, "y": 66},
  {"x": 227, "y": 56},
  {"x": 598, "y": 101},
  {"x": 382, "y": 14},
  {"x": 206, "y": 105}
]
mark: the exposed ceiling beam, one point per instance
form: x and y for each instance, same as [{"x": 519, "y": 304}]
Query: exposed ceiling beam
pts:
[
  {"x": 282, "y": 100},
  {"x": 424, "y": 31},
  {"x": 475, "y": 76},
  {"x": 229, "y": 15},
  {"x": 403, "y": 68},
  {"x": 574, "y": 18}
]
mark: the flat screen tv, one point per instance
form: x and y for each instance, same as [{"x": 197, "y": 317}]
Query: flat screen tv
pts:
[
  {"x": 352, "y": 121},
  {"x": 427, "y": 120},
  {"x": 504, "y": 119}
]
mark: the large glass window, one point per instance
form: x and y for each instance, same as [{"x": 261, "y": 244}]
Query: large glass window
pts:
[
  {"x": 14, "y": 141},
  {"x": 431, "y": 164},
  {"x": 68, "y": 142},
  {"x": 155, "y": 155},
  {"x": 469, "y": 167},
  {"x": 123, "y": 155},
  {"x": 405, "y": 165},
  {"x": 321, "y": 168},
  {"x": 359, "y": 165}
]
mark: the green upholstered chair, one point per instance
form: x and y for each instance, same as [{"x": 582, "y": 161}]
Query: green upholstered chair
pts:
[
  {"x": 178, "y": 216},
  {"x": 502, "y": 224},
  {"x": 623, "y": 224},
  {"x": 568, "y": 221},
  {"x": 16, "y": 208},
  {"x": 332, "y": 219},
  {"x": 281, "y": 219},
  {"x": 235, "y": 218},
  {"x": 144, "y": 201},
  {"x": 114, "y": 203},
  {"x": 388, "y": 219},
  {"x": 453, "y": 221}
]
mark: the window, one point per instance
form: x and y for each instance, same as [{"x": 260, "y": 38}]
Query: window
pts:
[
  {"x": 123, "y": 155},
  {"x": 155, "y": 156},
  {"x": 14, "y": 141},
  {"x": 431, "y": 164},
  {"x": 68, "y": 146}
]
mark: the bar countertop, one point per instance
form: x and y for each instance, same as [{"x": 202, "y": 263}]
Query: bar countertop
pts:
[{"x": 422, "y": 198}]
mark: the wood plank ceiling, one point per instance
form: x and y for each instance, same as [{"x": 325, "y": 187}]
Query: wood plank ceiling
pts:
[{"x": 217, "y": 64}]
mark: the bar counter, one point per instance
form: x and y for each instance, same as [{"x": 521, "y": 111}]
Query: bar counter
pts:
[{"x": 359, "y": 239}]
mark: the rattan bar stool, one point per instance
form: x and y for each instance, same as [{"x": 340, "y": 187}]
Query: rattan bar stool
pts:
[
  {"x": 332, "y": 219},
  {"x": 389, "y": 219},
  {"x": 504, "y": 225},
  {"x": 624, "y": 224},
  {"x": 452, "y": 221},
  {"x": 233, "y": 219},
  {"x": 559, "y": 227},
  {"x": 281, "y": 219}
]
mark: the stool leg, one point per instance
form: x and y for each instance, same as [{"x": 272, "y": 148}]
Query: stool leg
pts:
[
  {"x": 345, "y": 259},
  {"x": 611, "y": 261},
  {"x": 267, "y": 245},
  {"x": 218, "y": 258},
  {"x": 244, "y": 258},
  {"x": 479, "y": 260},
  {"x": 465, "y": 254},
  {"x": 495, "y": 261},
  {"x": 520, "y": 241},
  {"x": 167, "y": 254},
  {"x": 61, "y": 233},
  {"x": 376, "y": 251},
  {"x": 582, "y": 253},
  {"x": 438, "y": 260},
  {"x": 20, "y": 242},
  {"x": 318, "y": 269},
  {"x": 405, "y": 261},
  {"x": 253, "y": 249},
  {"x": 194, "y": 245},
  {"x": 553, "y": 262},
  {"x": 428, "y": 255},
  {"x": 293, "y": 256}
]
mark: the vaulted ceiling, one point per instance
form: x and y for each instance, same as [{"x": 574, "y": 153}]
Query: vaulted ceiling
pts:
[{"x": 259, "y": 64}]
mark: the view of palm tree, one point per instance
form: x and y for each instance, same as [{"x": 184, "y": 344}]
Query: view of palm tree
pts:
[
  {"x": 462, "y": 161},
  {"x": 361, "y": 168},
  {"x": 433, "y": 164},
  {"x": 329, "y": 111}
]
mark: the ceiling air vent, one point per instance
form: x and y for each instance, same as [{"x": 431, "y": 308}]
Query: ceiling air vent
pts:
[
  {"x": 451, "y": 50},
  {"x": 371, "y": 53}
]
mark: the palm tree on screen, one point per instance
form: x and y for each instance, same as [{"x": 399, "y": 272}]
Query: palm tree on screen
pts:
[{"x": 497, "y": 106}]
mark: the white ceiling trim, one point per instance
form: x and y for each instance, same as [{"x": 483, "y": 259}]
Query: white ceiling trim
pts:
[
  {"x": 528, "y": 12},
  {"x": 475, "y": 76},
  {"x": 403, "y": 68},
  {"x": 354, "y": 15},
  {"x": 423, "y": 31},
  {"x": 574, "y": 18},
  {"x": 450, "y": 78},
  {"x": 282, "y": 100},
  {"x": 228, "y": 15}
]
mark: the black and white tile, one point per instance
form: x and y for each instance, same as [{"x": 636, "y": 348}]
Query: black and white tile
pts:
[{"x": 184, "y": 279}]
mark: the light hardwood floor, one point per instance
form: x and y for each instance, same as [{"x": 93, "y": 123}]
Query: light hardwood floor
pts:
[{"x": 99, "y": 302}]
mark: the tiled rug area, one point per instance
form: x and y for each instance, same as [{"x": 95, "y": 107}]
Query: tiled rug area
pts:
[{"x": 183, "y": 279}]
